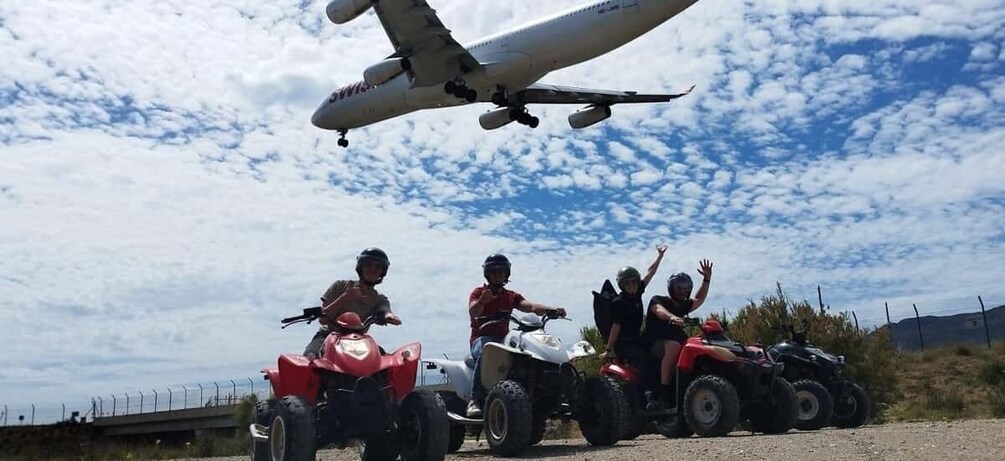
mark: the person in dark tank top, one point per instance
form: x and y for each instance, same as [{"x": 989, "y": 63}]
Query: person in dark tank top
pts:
[{"x": 665, "y": 323}]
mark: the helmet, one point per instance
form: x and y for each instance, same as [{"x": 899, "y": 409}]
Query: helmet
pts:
[
  {"x": 494, "y": 261},
  {"x": 676, "y": 278},
  {"x": 372, "y": 254},
  {"x": 628, "y": 273}
]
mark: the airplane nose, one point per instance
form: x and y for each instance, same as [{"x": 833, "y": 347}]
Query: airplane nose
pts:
[{"x": 317, "y": 118}]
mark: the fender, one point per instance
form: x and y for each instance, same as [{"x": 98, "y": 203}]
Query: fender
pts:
[
  {"x": 458, "y": 374},
  {"x": 620, "y": 371},
  {"x": 296, "y": 377},
  {"x": 694, "y": 349},
  {"x": 497, "y": 359},
  {"x": 402, "y": 367}
]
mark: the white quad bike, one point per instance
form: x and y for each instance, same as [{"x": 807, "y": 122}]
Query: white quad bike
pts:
[{"x": 529, "y": 378}]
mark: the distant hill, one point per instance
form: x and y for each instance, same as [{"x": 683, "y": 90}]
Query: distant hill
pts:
[{"x": 959, "y": 328}]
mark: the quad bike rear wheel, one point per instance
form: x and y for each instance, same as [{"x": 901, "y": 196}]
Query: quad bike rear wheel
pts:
[
  {"x": 421, "y": 420},
  {"x": 601, "y": 417},
  {"x": 711, "y": 406},
  {"x": 262, "y": 416},
  {"x": 507, "y": 411},
  {"x": 778, "y": 413},
  {"x": 816, "y": 406},
  {"x": 456, "y": 406},
  {"x": 291, "y": 434},
  {"x": 853, "y": 410},
  {"x": 383, "y": 447},
  {"x": 538, "y": 425}
]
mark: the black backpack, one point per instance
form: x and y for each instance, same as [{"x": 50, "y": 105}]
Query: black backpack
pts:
[{"x": 602, "y": 305}]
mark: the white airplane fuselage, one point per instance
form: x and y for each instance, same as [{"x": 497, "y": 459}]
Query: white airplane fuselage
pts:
[{"x": 511, "y": 60}]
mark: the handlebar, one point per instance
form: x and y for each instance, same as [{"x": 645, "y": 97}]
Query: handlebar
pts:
[
  {"x": 551, "y": 314},
  {"x": 313, "y": 313}
]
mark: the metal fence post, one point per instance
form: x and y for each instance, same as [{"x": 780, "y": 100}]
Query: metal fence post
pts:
[
  {"x": 820, "y": 296},
  {"x": 101, "y": 406},
  {"x": 155, "y": 399},
  {"x": 217, "y": 393},
  {"x": 856, "y": 320},
  {"x": 987, "y": 332},
  {"x": 63, "y": 418},
  {"x": 200, "y": 395},
  {"x": 141, "y": 401},
  {"x": 170, "y": 397},
  {"x": 113, "y": 404},
  {"x": 32, "y": 415},
  {"x": 921, "y": 338},
  {"x": 185, "y": 389},
  {"x": 234, "y": 395},
  {"x": 252, "y": 386},
  {"x": 127, "y": 403}
]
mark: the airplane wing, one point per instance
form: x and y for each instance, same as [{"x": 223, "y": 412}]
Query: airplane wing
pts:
[
  {"x": 555, "y": 94},
  {"x": 418, "y": 34}
]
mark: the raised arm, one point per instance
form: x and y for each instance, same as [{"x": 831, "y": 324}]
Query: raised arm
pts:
[
  {"x": 651, "y": 271},
  {"x": 705, "y": 269}
]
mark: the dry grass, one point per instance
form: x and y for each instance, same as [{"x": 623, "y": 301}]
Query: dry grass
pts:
[{"x": 950, "y": 382}]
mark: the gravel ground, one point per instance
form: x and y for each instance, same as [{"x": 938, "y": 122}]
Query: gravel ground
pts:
[{"x": 969, "y": 440}]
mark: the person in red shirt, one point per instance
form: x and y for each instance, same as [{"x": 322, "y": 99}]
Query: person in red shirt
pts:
[{"x": 488, "y": 300}]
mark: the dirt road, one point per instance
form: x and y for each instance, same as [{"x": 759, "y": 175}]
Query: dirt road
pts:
[{"x": 969, "y": 440}]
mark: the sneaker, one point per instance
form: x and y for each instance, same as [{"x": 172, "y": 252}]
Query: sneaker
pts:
[{"x": 474, "y": 411}]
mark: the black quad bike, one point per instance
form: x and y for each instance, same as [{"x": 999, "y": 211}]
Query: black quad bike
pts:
[{"x": 826, "y": 396}]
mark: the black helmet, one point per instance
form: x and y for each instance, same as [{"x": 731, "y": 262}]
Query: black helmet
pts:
[
  {"x": 372, "y": 254},
  {"x": 495, "y": 261},
  {"x": 628, "y": 273},
  {"x": 679, "y": 277}
]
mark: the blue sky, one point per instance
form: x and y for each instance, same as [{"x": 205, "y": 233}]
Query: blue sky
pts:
[{"x": 164, "y": 199}]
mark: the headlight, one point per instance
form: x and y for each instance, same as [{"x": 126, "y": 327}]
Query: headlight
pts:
[
  {"x": 355, "y": 348},
  {"x": 547, "y": 340}
]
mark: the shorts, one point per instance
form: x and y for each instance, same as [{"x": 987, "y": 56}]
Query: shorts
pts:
[{"x": 677, "y": 335}]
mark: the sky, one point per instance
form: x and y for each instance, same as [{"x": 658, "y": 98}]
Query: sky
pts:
[{"x": 164, "y": 199}]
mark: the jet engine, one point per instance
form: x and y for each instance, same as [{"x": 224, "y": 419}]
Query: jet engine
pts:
[
  {"x": 380, "y": 73},
  {"x": 589, "y": 116},
  {"x": 496, "y": 118},
  {"x": 343, "y": 11}
]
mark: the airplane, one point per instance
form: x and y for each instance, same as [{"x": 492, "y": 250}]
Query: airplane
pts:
[{"x": 429, "y": 69}]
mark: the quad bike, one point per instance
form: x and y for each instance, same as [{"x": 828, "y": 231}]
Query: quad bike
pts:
[
  {"x": 718, "y": 383},
  {"x": 826, "y": 396},
  {"x": 351, "y": 395},
  {"x": 530, "y": 378}
]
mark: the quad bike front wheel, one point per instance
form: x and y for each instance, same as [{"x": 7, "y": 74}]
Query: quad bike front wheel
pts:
[
  {"x": 507, "y": 413},
  {"x": 816, "y": 406},
  {"x": 262, "y": 416},
  {"x": 291, "y": 434},
  {"x": 778, "y": 413},
  {"x": 853, "y": 410},
  {"x": 711, "y": 406},
  {"x": 421, "y": 421},
  {"x": 602, "y": 414}
]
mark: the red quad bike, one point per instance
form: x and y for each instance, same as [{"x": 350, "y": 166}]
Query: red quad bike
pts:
[
  {"x": 353, "y": 394},
  {"x": 718, "y": 382}
]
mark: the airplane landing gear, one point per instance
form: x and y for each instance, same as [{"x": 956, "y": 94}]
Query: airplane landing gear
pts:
[
  {"x": 500, "y": 98},
  {"x": 460, "y": 90},
  {"x": 521, "y": 116},
  {"x": 342, "y": 141}
]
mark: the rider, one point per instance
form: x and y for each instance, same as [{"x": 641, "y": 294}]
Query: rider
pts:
[
  {"x": 359, "y": 296},
  {"x": 487, "y": 300},
  {"x": 665, "y": 322},
  {"x": 625, "y": 338}
]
